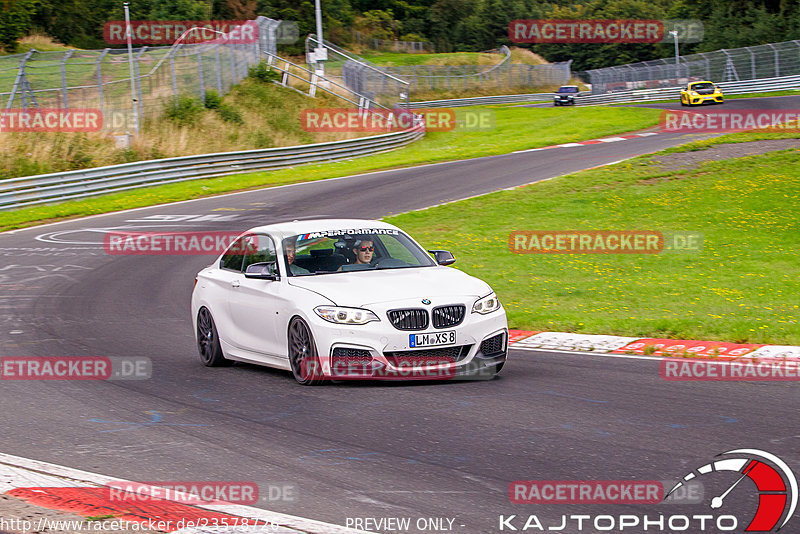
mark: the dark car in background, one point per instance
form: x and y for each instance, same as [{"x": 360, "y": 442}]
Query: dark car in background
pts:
[{"x": 565, "y": 96}]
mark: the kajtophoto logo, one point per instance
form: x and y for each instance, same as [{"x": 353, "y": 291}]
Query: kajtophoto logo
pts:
[
  {"x": 772, "y": 485},
  {"x": 775, "y": 484}
]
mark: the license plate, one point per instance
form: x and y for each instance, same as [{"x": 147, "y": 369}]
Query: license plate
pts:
[{"x": 432, "y": 339}]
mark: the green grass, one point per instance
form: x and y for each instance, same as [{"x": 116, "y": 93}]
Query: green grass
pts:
[
  {"x": 516, "y": 129},
  {"x": 738, "y": 137},
  {"x": 789, "y": 92},
  {"x": 741, "y": 287}
]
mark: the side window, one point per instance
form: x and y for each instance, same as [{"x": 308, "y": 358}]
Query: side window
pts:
[
  {"x": 260, "y": 249},
  {"x": 233, "y": 257}
]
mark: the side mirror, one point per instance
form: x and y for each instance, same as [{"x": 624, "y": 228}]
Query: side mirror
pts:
[
  {"x": 443, "y": 257},
  {"x": 262, "y": 271}
]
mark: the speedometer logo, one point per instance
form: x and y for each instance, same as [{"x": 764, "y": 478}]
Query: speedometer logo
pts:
[{"x": 776, "y": 485}]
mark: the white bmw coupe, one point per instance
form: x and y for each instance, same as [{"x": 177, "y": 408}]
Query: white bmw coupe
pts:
[{"x": 346, "y": 299}]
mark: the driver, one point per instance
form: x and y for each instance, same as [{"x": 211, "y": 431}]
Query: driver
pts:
[{"x": 363, "y": 250}]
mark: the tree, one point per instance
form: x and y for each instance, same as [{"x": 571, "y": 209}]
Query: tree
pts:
[{"x": 15, "y": 22}]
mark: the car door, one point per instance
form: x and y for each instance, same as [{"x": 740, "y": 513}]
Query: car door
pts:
[
  {"x": 257, "y": 306},
  {"x": 223, "y": 279}
]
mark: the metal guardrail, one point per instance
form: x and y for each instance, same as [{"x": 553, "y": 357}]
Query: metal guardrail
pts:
[
  {"x": 70, "y": 185},
  {"x": 483, "y": 100},
  {"x": 668, "y": 93},
  {"x": 639, "y": 95}
]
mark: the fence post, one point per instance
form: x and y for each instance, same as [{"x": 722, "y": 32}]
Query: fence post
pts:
[
  {"x": 172, "y": 72},
  {"x": 752, "y": 63},
  {"x": 64, "y": 98},
  {"x": 219, "y": 70},
  {"x": 232, "y": 53},
  {"x": 20, "y": 78},
  {"x": 200, "y": 76},
  {"x": 99, "y": 71},
  {"x": 139, "y": 82},
  {"x": 777, "y": 62}
]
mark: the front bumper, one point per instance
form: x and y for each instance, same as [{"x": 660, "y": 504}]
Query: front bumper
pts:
[
  {"x": 379, "y": 351},
  {"x": 714, "y": 99}
]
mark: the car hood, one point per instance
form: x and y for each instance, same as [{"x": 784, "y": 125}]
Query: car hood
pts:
[{"x": 362, "y": 288}]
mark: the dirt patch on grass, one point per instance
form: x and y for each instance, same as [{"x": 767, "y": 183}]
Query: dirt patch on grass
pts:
[{"x": 691, "y": 160}]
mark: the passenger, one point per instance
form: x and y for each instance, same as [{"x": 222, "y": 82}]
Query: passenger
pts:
[{"x": 290, "y": 249}]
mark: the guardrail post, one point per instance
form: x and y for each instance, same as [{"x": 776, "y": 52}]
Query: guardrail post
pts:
[
  {"x": 285, "y": 78},
  {"x": 64, "y": 98},
  {"x": 98, "y": 70}
]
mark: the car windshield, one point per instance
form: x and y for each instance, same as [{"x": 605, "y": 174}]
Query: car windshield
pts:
[
  {"x": 702, "y": 86},
  {"x": 567, "y": 89},
  {"x": 360, "y": 249}
]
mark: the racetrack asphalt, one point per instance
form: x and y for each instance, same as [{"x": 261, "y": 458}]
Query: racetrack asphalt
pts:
[{"x": 351, "y": 450}]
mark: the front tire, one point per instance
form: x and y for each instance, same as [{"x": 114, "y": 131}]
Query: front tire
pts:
[
  {"x": 208, "y": 341},
  {"x": 303, "y": 355}
]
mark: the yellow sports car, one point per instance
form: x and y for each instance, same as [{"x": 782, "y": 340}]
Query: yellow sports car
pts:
[{"x": 697, "y": 93}]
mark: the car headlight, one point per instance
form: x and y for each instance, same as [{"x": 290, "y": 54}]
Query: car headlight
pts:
[
  {"x": 487, "y": 304},
  {"x": 339, "y": 315}
]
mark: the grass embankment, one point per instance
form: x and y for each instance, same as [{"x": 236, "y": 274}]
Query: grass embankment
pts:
[
  {"x": 516, "y": 129},
  {"x": 741, "y": 287},
  {"x": 253, "y": 115},
  {"x": 396, "y": 59},
  {"x": 518, "y": 56}
]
